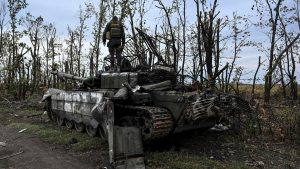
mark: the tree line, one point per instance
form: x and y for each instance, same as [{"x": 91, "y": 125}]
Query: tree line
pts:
[{"x": 204, "y": 51}]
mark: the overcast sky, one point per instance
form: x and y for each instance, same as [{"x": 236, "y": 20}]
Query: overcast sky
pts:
[{"x": 65, "y": 12}]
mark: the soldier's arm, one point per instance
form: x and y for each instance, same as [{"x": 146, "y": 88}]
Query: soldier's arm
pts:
[
  {"x": 123, "y": 35},
  {"x": 104, "y": 33}
]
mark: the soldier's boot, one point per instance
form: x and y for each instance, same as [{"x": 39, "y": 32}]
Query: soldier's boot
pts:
[
  {"x": 111, "y": 70},
  {"x": 118, "y": 69},
  {"x": 115, "y": 69}
]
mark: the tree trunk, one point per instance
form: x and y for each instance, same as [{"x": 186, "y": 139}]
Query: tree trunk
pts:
[{"x": 268, "y": 77}]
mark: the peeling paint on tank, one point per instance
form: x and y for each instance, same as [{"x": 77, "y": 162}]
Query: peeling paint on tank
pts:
[
  {"x": 100, "y": 99},
  {"x": 54, "y": 104},
  {"x": 68, "y": 107},
  {"x": 85, "y": 109},
  {"x": 68, "y": 97},
  {"x": 60, "y": 96},
  {"x": 60, "y": 105},
  {"x": 77, "y": 107},
  {"x": 85, "y": 97},
  {"x": 76, "y": 97},
  {"x": 79, "y": 102},
  {"x": 96, "y": 97}
]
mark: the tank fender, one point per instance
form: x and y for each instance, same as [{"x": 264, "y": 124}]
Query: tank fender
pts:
[{"x": 49, "y": 93}]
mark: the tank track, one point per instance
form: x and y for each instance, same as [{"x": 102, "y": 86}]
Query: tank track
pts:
[{"x": 155, "y": 122}]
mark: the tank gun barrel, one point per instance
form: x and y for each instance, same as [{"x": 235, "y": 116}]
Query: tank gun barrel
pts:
[{"x": 67, "y": 76}]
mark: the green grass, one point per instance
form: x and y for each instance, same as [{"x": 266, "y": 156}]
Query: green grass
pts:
[
  {"x": 29, "y": 112},
  {"x": 5, "y": 118},
  {"x": 9, "y": 115},
  {"x": 176, "y": 160},
  {"x": 62, "y": 136},
  {"x": 49, "y": 133}
]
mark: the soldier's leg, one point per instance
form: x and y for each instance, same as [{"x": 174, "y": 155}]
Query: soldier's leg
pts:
[
  {"x": 119, "y": 58},
  {"x": 119, "y": 55},
  {"x": 112, "y": 57}
]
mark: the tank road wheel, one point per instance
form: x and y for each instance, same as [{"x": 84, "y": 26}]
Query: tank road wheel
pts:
[
  {"x": 69, "y": 124},
  {"x": 79, "y": 127},
  {"x": 146, "y": 126},
  {"x": 126, "y": 121},
  {"x": 91, "y": 131},
  {"x": 60, "y": 121}
]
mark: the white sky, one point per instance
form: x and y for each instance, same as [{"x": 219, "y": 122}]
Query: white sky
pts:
[{"x": 65, "y": 12}]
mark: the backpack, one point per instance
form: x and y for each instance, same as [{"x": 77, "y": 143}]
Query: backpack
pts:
[{"x": 115, "y": 29}]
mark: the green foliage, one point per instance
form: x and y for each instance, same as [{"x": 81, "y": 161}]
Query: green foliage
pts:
[{"x": 284, "y": 122}]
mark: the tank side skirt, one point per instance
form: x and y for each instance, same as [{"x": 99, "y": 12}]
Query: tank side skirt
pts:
[{"x": 77, "y": 106}]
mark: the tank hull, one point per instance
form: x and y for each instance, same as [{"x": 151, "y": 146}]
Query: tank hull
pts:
[{"x": 165, "y": 113}]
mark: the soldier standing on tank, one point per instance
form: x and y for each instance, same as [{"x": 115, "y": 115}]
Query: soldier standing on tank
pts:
[{"x": 114, "y": 32}]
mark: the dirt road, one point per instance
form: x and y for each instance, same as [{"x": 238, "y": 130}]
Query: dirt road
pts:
[{"x": 23, "y": 151}]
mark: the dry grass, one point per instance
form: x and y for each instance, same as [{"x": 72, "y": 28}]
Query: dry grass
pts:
[{"x": 62, "y": 136}]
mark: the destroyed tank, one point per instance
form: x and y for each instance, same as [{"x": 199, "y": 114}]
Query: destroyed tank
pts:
[{"x": 148, "y": 99}]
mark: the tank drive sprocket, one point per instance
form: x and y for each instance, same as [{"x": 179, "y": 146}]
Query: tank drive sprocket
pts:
[{"x": 155, "y": 122}]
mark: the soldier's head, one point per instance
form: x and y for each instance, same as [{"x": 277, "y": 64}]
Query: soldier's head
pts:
[{"x": 115, "y": 18}]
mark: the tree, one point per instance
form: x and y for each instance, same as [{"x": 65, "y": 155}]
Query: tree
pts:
[
  {"x": 183, "y": 23},
  {"x": 167, "y": 12},
  {"x": 97, "y": 33},
  {"x": 3, "y": 22},
  {"x": 207, "y": 30},
  {"x": 136, "y": 13},
  {"x": 199, "y": 46},
  {"x": 49, "y": 37},
  {"x": 210, "y": 30},
  {"x": 71, "y": 50},
  {"x": 14, "y": 6},
  {"x": 239, "y": 36},
  {"x": 196, "y": 71},
  {"x": 84, "y": 14},
  {"x": 286, "y": 20},
  {"x": 34, "y": 26},
  {"x": 4, "y": 38},
  {"x": 271, "y": 10}
]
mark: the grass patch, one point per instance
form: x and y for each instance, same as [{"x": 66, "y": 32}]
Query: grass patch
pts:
[
  {"x": 63, "y": 137},
  {"x": 9, "y": 115},
  {"x": 29, "y": 112},
  {"x": 176, "y": 160},
  {"x": 5, "y": 118}
]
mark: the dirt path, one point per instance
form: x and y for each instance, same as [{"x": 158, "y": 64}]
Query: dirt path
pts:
[{"x": 32, "y": 153}]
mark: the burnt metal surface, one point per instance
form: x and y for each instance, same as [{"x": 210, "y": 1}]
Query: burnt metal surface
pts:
[{"x": 213, "y": 106}]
